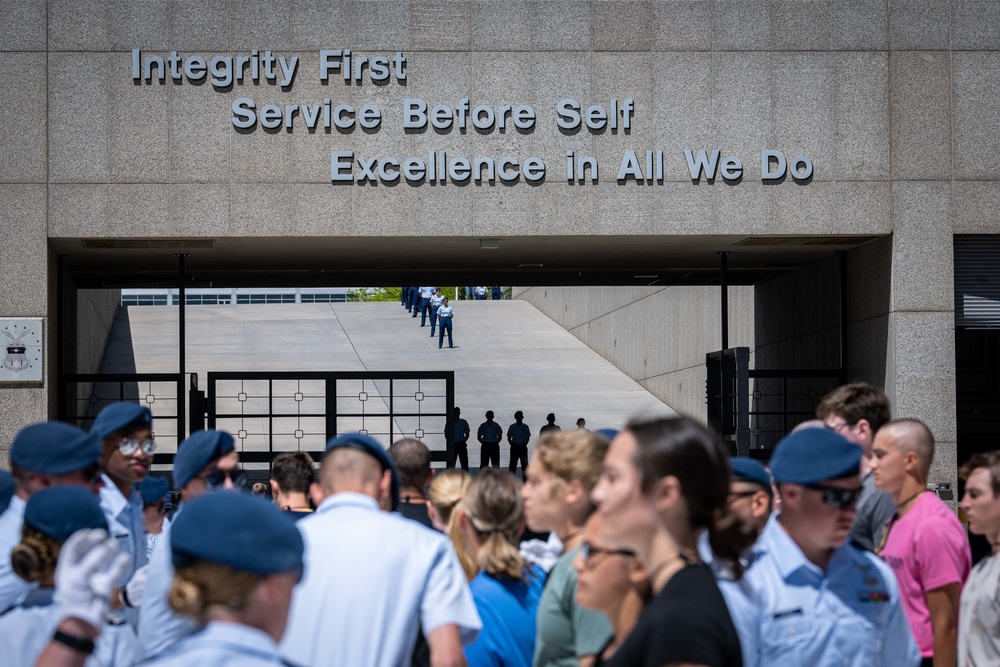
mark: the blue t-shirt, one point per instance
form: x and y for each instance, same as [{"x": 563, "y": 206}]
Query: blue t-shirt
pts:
[{"x": 507, "y": 609}]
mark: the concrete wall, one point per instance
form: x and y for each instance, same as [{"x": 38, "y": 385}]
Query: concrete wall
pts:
[{"x": 658, "y": 336}]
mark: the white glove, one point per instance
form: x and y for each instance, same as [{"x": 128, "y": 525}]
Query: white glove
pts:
[
  {"x": 89, "y": 565},
  {"x": 134, "y": 590}
]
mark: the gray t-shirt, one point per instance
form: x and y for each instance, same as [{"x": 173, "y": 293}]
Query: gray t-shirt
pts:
[
  {"x": 875, "y": 508},
  {"x": 979, "y": 616},
  {"x": 565, "y": 630}
]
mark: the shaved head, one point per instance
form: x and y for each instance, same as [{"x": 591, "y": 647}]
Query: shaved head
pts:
[
  {"x": 912, "y": 435},
  {"x": 346, "y": 469}
]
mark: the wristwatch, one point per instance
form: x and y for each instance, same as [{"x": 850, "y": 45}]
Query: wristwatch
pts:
[{"x": 78, "y": 644}]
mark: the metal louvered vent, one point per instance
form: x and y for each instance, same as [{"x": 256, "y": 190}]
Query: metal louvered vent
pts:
[{"x": 977, "y": 282}]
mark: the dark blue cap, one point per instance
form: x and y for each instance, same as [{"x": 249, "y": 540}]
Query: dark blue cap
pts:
[
  {"x": 120, "y": 416},
  {"x": 608, "y": 433},
  {"x": 237, "y": 530},
  {"x": 6, "y": 490},
  {"x": 54, "y": 448},
  {"x": 198, "y": 451},
  {"x": 60, "y": 511},
  {"x": 815, "y": 455},
  {"x": 744, "y": 469},
  {"x": 153, "y": 489},
  {"x": 370, "y": 446}
]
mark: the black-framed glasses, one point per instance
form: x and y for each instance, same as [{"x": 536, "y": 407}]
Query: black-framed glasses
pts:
[
  {"x": 217, "y": 478},
  {"x": 836, "y": 427},
  {"x": 840, "y": 499},
  {"x": 129, "y": 446},
  {"x": 588, "y": 551}
]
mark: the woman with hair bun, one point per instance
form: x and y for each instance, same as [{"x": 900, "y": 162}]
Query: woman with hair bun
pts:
[
  {"x": 51, "y": 517},
  {"x": 664, "y": 481},
  {"x": 239, "y": 591},
  {"x": 507, "y": 588}
]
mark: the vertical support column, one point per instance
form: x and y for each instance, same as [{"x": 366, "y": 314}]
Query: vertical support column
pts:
[
  {"x": 724, "y": 300},
  {"x": 181, "y": 349}
]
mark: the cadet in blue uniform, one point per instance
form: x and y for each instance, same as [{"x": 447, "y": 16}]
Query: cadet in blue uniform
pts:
[
  {"x": 816, "y": 600},
  {"x": 51, "y": 516},
  {"x": 42, "y": 455},
  {"x": 489, "y": 435},
  {"x": 224, "y": 580},
  {"x": 518, "y": 435},
  {"x": 126, "y": 432},
  {"x": 205, "y": 462},
  {"x": 154, "y": 492}
]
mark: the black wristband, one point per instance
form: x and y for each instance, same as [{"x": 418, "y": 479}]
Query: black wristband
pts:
[{"x": 78, "y": 644}]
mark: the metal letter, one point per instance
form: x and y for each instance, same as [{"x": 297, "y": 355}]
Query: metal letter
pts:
[
  {"x": 765, "y": 165},
  {"x": 807, "y": 168},
  {"x": 340, "y": 160},
  {"x": 700, "y": 163}
]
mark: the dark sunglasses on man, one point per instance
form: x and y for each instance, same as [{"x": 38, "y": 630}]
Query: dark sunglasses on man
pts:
[
  {"x": 217, "y": 478},
  {"x": 840, "y": 499}
]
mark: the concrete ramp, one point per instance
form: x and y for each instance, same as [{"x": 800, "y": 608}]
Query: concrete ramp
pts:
[{"x": 508, "y": 356}]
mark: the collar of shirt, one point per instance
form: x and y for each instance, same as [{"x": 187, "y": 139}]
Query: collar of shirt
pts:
[
  {"x": 348, "y": 499},
  {"x": 16, "y": 508},
  {"x": 237, "y": 638},
  {"x": 785, "y": 553},
  {"x": 39, "y": 597},
  {"x": 114, "y": 502}
]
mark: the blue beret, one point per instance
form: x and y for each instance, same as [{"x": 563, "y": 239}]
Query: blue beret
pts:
[
  {"x": 153, "y": 489},
  {"x": 370, "y": 446},
  {"x": 6, "y": 490},
  {"x": 60, "y": 511},
  {"x": 54, "y": 448},
  {"x": 608, "y": 433},
  {"x": 748, "y": 470},
  {"x": 815, "y": 455},
  {"x": 198, "y": 451},
  {"x": 237, "y": 530},
  {"x": 118, "y": 416}
]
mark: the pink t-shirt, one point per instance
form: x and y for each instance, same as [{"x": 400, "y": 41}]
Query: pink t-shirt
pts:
[{"x": 927, "y": 549}]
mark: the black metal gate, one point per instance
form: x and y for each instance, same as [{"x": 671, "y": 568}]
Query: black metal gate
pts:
[{"x": 273, "y": 412}]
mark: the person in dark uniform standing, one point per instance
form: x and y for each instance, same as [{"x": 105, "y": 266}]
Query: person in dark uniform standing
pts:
[
  {"x": 518, "y": 435},
  {"x": 445, "y": 314},
  {"x": 489, "y": 435},
  {"x": 458, "y": 441},
  {"x": 550, "y": 425}
]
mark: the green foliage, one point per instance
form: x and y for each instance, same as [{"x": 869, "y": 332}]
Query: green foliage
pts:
[{"x": 375, "y": 294}]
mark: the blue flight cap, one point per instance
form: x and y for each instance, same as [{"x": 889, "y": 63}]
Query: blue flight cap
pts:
[
  {"x": 608, "y": 433},
  {"x": 198, "y": 451},
  {"x": 54, "y": 448},
  {"x": 815, "y": 455},
  {"x": 119, "y": 416},
  {"x": 6, "y": 490},
  {"x": 60, "y": 511},
  {"x": 745, "y": 469},
  {"x": 236, "y": 530},
  {"x": 153, "y": 489},
  {"x": 370, "y": 446}
]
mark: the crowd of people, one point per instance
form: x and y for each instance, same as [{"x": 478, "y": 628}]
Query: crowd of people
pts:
[{"x": 650, "y": 546}]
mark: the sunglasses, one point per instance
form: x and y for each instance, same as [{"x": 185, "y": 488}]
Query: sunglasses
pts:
[
  {"x": 588, "y": 551},
  {"x": 129, "y": 446},
  {"x": 217, "y": 478},
  {"x": 840, "y": 499}
]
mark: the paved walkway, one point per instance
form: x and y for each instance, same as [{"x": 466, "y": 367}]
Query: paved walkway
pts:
[{"x": 508, "y": 357}]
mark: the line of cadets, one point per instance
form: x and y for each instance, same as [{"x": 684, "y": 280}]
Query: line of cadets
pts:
[
  {"x": 662, "y": 551},
  {"x": 429, "y": 302}
]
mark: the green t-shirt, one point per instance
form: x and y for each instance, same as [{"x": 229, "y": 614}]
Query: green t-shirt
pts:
[{"x": 566, "y": 631}]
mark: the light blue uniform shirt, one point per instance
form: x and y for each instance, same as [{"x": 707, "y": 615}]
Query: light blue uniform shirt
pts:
[
  {"x": 26, "y": 630},
  {"x": 850, "y": 615},
  {"x": 159, "y": 626},
  {"x": 222, "y": 645},
  {"x": 373, "y": 580},
  {"x": 126, "y": 524},
  {"x": 12, "y": 587}
]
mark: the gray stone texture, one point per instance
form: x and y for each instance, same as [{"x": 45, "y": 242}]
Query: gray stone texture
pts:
[
  {"x": 200, "y": 133},
  {"x": 316, "y": 24},
  {"x": 806, "y": 107},
  {"x": 860, "y": 24},
  {"x": 501, "y": 26},
  {"x": 795, "y": 30},
  {"x": 441, "y": 25},
  {"x": 742, "y": 120},
  {"x": 22, "y": 115},
  {"x": 25, "y": 265},
  {"x": 741, "y": 25},
  {"x": 561, "y": 25},
  {"x": 974, "y": 25},
  {"x": 78, "y": 25},
  {"x": 78, "y": 117},
  {"x": 861, "y": 132},
  {"x": 922, "y": 259},
  {"x": 198, "y": 25},
  {"x": 920, "y": 103},
  {"x": 975, "y": 115},
  {"x": 975, "y": 206},
  {"x": 23, "y": 26},
  {"x": 77, "y": 210},
  {"x": 139, "y": 24},
  {"x": 920, "y": 25},
  {"x": 622, "y": 26},
  {"x": 138, "y": 128},
  {"x": 260, "y": 24},
  {"x": 682, "y": 25},
  {"x": 380, "y": 25}
]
